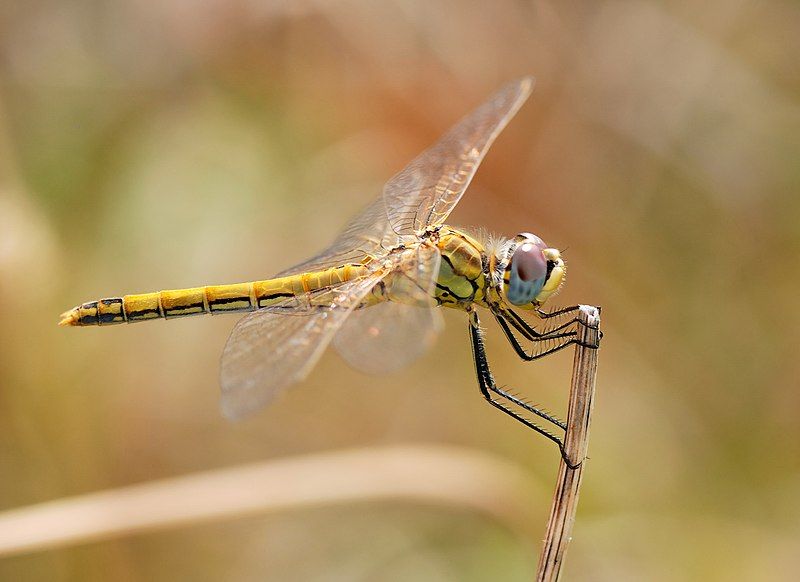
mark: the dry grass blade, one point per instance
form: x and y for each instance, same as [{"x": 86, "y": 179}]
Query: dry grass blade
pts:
[
  {"x": 581, "y": 398},
  {"x": 443, "y": 476}
]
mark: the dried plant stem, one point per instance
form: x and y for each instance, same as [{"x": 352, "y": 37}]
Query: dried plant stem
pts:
[
  {"x": 442, "y": 476},
  {"x": 581, "y": 398}
]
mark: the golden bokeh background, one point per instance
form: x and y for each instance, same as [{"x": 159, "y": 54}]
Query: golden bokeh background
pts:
[{"x": 149, "y": 145}]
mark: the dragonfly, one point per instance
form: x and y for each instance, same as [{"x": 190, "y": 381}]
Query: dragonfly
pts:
[{"x": 374, "y": 292}]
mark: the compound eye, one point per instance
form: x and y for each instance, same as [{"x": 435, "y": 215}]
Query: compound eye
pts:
[
  {"x": 529, "y": 263},
  {"x": 528, "y": 273}
]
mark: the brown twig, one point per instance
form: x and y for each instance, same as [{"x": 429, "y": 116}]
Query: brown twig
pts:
[
  {"x": 442, "y": 476},
  {"x": 581, "y": 398}
]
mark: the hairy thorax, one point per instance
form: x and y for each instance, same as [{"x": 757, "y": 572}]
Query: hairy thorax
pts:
[{"x": 462, "y": 278}]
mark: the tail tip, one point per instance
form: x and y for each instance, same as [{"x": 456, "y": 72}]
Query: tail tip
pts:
[{"x": 69, "y": 318}]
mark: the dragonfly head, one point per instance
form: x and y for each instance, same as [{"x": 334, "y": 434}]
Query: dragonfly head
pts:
[{"x": 532, "y": 273}]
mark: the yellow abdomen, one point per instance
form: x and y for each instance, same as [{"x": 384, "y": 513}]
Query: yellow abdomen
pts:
[{"x": 296, "y": 289}]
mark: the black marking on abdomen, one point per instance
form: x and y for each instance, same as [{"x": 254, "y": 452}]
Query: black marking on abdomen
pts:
[
  {"x": 86, "y": 319},
  {"x": 183, "y": 310},
  {"x": 110, "y": 317},
  {"x": 229, "y": 300},
  {"x": 141, "y": 313},
  {"x": 89, "y": 319},
  {"x": 271, "y": 296}
]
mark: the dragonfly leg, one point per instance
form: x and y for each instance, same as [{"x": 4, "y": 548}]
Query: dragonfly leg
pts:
[
  {"x": 506, "y": 317},
  {"x": 527, "y": 330},
  {"x": 499, "y": 397},
  {"x": 542, "y": 345},
  {"x": 531, "y": 332},
  {"x": 548, "y": 314}
]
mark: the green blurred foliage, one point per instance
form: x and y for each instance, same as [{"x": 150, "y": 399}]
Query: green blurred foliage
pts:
[{"x": 152, "y": 145}]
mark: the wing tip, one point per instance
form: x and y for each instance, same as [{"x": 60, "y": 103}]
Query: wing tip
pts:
[
  {"x": 526, "y": 84},
  {"x": 230, "y": 412},
  {"x": 236, "y": 407}
]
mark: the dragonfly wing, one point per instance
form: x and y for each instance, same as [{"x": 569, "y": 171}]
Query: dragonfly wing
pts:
[
  {"x": 367, "y": 234},
  {"x": 390, "y": 335},
  {"x": 275, "y": 347},
  {"x": 426, "y": 191}
]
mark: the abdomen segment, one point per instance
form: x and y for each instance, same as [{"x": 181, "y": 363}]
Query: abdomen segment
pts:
[{"x": 294, "y": 291}]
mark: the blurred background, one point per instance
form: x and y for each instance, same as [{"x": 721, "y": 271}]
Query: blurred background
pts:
[{"x": 150, "y": 145}]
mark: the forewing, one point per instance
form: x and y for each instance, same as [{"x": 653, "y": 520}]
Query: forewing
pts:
[
  {"x": 275, "y": 347},
  {"x": 390, "y": 335},
  {"x": 426, "y": 191},
  {"x": 367, "y": 234}
]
